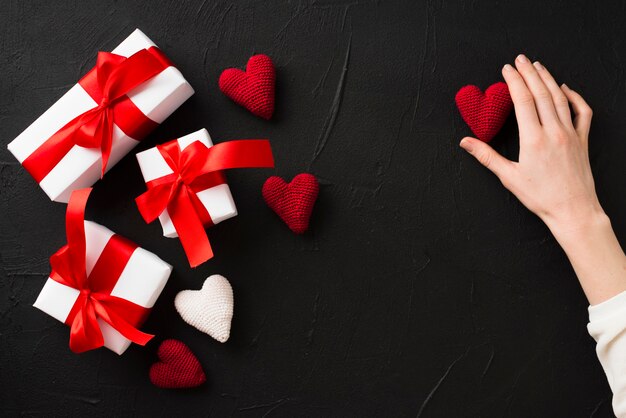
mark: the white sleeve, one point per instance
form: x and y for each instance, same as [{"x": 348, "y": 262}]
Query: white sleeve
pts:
[{"x": 607, "y": 325}]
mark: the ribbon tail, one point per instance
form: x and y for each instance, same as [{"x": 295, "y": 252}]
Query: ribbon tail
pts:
[
  {"x": 153, "y": 202},
  {"x": 189, "y": 227},
  {"x": 121, "y": 325},
  {"x": 107, "y": 140},
  {"x": 85, "y": 333},
  {"x": 242, "y": 153},
  {"x": 75, "y": 232}
]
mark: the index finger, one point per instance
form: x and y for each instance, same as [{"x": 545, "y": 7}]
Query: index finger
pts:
[{"x": 523, "y": 101}]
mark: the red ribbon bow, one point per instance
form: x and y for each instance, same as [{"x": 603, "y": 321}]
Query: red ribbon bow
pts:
[
  {"x": 95, "y": 300},
  {"x": 197, "y": 168},
  {"x": 112, "y": 78}
]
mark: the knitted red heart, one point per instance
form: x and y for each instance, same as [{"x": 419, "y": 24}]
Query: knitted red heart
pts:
[
  {"x": 178, "y": 367},
  {"x": 293, "y": 202},
  {"x": 254, "y": 88},
  {"x": 485, "y": 113}
]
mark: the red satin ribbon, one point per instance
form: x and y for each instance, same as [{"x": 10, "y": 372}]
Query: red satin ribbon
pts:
[
  {"x": 197, "y": 168},
  {"x": 108, "y": 84},
  {"x": 95, "y": 300}
]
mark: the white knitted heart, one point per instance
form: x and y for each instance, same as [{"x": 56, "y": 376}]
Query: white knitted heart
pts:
[{"x": 209, "y": 309}]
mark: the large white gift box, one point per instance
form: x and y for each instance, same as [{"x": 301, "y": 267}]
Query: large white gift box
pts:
[
  {"x": 141, "y": 282},
  {"x": 80, "y": 167},
  {"x": 217, "y": 200}
]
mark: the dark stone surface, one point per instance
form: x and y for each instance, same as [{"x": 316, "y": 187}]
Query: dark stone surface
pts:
[{"x": 423, "y": 287}]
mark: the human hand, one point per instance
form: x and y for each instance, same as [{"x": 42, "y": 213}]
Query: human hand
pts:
[{"x": 553, "y": 176}]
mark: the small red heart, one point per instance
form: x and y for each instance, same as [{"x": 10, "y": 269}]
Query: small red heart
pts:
[
  {"x": 486, "y": 112},
  {"x": 178, "y": 367},
  {"x": 293, "y": 202},
  {"x": 253, "y": 88}
]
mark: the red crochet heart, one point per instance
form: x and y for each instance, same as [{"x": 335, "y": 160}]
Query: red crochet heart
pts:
[
  {"x": 178, "y": 367},
  {"x": 485, "y": 113},
  {"x": 293, "y": 202},
  {"x": 253, "y": 88}
]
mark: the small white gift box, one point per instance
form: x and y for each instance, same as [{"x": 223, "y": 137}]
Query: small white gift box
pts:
[
  {"x": 80, "y": 167},
  {"x": 217, "y": 200},
  {"x": 141, "y": 281}
]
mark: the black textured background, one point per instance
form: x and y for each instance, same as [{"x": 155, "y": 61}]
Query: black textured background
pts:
[{"x": 423, "y": 288}]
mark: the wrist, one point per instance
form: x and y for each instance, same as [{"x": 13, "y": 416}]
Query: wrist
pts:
[
  {"x": 573, "y": 219},
  {"x": 596, "y": 255},
  {"x": 575, "y": 232}
]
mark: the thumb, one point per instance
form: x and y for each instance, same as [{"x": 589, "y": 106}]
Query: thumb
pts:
[{"x": 488, "y": 157}]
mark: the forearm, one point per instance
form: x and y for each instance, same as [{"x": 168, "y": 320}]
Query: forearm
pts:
[{"x": 595, "y": 254}]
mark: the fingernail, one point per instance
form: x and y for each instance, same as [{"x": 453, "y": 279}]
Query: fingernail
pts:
[
  {"x": 566, "y": 86},
  {"x": 522, "y": 58},
  {"x": 507, "y": 67},
  {"x": 538, "y": 65},
  {"x": 466, "y": 145}
]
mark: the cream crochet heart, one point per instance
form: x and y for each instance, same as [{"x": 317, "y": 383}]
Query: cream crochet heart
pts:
[{"x": 209, "y": 309}]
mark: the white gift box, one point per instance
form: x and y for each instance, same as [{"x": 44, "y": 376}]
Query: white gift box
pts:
[
  {"x": 217, "y": 200},
  {"x": 141, "y": 282},
  {"x": 81, "y": 167}
]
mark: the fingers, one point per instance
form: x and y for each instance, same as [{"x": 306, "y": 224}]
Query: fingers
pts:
[
  {"x": 559, "y": 99},
  {"x": 582, "y": 111},
  {"x": 525, "y": 110},
  {"x": 490, "y": 158},
  {"x": 541, "y": 94}
]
